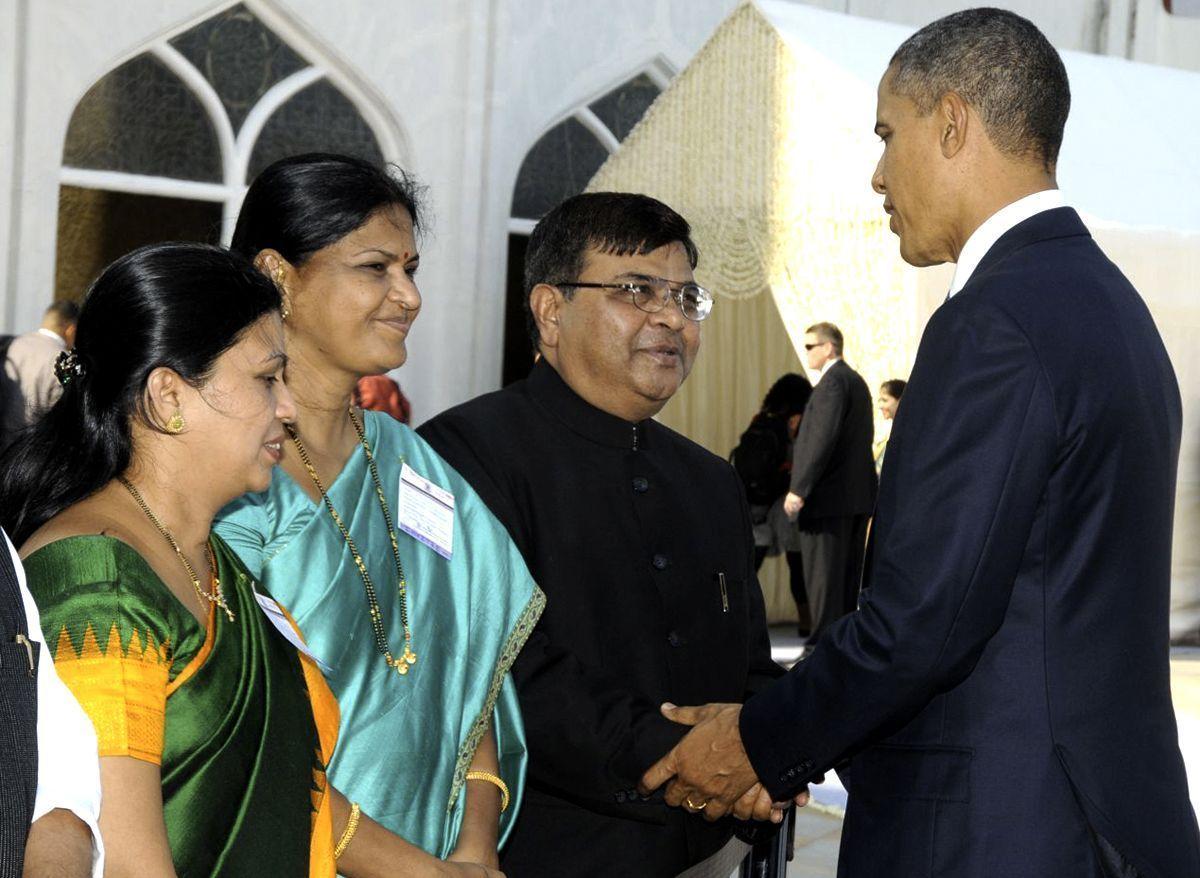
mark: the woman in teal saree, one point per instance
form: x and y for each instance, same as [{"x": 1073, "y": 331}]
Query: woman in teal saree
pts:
[{"x": 407, "y": 589}]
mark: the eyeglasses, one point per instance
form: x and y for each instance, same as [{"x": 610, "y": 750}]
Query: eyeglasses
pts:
[
  {"x": 652, "y": 294},
  {"x": 809, "y": 347}
]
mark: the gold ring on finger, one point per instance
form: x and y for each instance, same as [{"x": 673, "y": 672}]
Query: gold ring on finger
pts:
[{"x": 687, "y": 800}]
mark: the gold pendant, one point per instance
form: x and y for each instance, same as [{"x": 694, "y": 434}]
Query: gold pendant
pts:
[
  {"x": 401, "y": 668},
  {"x": 410, "y": 656}
]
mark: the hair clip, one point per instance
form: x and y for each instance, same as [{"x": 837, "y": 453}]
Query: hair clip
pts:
[{"x": 67, "y": 366}]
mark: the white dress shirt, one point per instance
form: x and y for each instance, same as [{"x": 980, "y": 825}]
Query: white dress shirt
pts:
[
  {"x": 994, "y": 227},
  {"x": 828, "y": 365},
  {"x": 68, "y": 756}
]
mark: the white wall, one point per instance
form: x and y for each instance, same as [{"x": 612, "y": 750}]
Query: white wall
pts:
[{"x": 466, "y": 87}]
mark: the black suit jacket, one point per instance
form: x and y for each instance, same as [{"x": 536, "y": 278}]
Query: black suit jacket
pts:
[
  {"x": 832, "y": 466},
  {"x": 18, "y": 722},
  {"x": 1003, "y": 691},
  {"x": 641, "y": 541}
]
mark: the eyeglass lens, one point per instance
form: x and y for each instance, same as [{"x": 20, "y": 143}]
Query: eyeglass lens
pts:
[{"x": 694, "y": 301}]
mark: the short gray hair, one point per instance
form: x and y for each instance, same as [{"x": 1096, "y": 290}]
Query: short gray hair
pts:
[
  {"x": 1001, "y": 65},
  {"x": 830, "y": 333}
]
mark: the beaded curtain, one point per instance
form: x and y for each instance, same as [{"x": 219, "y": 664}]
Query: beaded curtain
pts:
[{"x": 767, "y": 149}]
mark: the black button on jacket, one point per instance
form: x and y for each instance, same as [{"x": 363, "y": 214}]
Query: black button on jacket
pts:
[{"x": 652, "y": 597}]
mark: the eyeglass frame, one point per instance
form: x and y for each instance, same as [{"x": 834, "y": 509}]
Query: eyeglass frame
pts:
[
  {"x": 817, "y": 344},
  {"x": 674, "y": 291}
]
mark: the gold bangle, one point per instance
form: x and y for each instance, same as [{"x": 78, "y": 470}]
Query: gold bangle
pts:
[
  {"x": 492, "y": 779},
  {"x": 348, "y": 832}
]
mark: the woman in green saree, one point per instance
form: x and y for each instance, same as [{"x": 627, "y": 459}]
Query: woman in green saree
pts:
[
  {"x": 215, "y": 727},
  {"x": 405, "y": 585}
]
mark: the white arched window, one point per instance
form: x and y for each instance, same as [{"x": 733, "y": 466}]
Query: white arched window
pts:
[
  {"x": 560, "y": 165},
  {"x": 164, "y": 145}
]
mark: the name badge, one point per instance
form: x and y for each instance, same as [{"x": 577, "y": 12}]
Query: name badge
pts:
[
  {"x": 426, "y": 512},
  {"x": 279, "y": 619}
]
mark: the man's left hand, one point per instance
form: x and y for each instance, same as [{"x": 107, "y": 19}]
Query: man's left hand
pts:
[
  {"x": 792, "y": 504},
  {"x": 708, "y": 770}
]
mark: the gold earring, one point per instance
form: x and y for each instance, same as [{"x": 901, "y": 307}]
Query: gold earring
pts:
[
  {"x": 177, "y": 423},
  {"x": 285, "y": 310}
]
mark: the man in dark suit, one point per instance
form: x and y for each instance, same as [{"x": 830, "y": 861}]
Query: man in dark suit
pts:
[
  {"x": 18, "y": 721},
  {"x": 832, "y": 489},
  {"x": 49, "y": 773},
  {"x": 1002, "y": 694},
  {"x": 640, "y": 538}
]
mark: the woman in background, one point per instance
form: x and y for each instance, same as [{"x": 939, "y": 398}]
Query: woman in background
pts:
[
  {"x": 889, "y": 400},
  {"x": 763, "y": 459}
]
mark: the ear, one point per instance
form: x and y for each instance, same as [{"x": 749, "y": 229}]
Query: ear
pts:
[
  {"x": 546, "y": 302},
  {"x": 954, "y": 119},
  {"x": 164, "y": 395},
  {"x": 273, "y": 265}
]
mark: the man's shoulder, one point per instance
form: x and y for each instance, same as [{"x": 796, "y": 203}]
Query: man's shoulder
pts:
[
  {"x": 29, "y": 342},
  {"x": 1071, "y": 263},
  {"x": 693, "y": 454},
  {"x": 481, "y": 413}
]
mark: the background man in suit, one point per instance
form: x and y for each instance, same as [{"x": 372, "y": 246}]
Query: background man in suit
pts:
[
  {"x": 1002, "y": 693},
  {"x": 640, "y": 538},
  {"x": 832, "y": 490},
  {"x": 49, "y": 767},
  {"x": 29, "y": 366}
]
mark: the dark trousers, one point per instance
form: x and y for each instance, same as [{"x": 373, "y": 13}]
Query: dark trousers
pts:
[
  {"x": 795, "y": 581},
  {"x": 832, "y": 553}
]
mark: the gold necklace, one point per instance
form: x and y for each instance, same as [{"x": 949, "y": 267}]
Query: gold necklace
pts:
[
  {"x": 400, "y": 665},
  {"x": 213, "y": 597}
]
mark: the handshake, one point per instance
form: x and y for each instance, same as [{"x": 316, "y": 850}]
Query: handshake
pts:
[{"x": 709, "y": 772}]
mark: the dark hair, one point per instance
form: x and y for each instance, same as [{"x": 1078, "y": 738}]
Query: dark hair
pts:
[
  {"x": 788, "y": 396},
  {"x": 1000, "y": 64},
  {"x": 620, "y": 223},
  {"x": 894, "y": 388},
  {"x": 303, "y": 203},
  {"x": 828, "y": 332},
  {"x": 174, "y": 305},
  {"x": 65, "y": 310}
]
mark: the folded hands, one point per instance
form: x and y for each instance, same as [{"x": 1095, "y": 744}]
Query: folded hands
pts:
[{"x": 708, "y": 772}]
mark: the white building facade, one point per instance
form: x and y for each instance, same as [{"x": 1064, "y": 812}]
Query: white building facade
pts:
[{"x": 126, "y": 122}]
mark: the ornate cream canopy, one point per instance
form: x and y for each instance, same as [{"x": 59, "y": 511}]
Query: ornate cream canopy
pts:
[{"x": 765, "y": 144}]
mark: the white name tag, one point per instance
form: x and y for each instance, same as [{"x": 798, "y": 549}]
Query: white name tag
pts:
[
  {"x": 280, "y": 620},
  {"x": 426, "y": 512}
]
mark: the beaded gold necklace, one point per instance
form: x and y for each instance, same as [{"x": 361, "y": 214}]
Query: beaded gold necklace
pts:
[
  {"x": 216, "y": 596},
  {"x": 401, "y": 664}
]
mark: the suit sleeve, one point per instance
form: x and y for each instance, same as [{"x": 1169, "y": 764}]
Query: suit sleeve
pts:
[
  {"x": 968, "y": 464},
  {"x": 590, "y": 736},
  {"x": 823, "y": 418}
]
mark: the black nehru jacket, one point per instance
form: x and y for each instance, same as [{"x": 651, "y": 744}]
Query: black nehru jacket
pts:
[
  {"x": 18, "y": 721},
  {"x": 641, "y": 540}
]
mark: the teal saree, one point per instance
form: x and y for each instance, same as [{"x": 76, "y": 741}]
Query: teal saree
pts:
[{"x": 405, "y": 742}]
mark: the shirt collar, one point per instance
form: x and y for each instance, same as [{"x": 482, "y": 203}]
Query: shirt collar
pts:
[
  {"x": 549, "y": 390},
  {"x": 52, "y": 335},
  {"x": 829, "y": 364},
  {"x": 982, "y": 239}
]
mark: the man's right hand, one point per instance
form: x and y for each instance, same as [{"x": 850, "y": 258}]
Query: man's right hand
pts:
[
  {"x": 756, "y": 804},
  {"x": 792, "y": 504}
]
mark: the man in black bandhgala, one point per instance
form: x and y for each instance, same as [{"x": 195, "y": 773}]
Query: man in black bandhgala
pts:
[{"x": 640, "y": 538}]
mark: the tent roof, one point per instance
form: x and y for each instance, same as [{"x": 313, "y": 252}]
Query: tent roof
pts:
[{"x": 1131, "y": 151}]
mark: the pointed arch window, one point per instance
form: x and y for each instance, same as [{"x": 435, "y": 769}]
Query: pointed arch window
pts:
[
  {"x": 163, "y": 146},
  {"x": 560, "y": 164}
]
